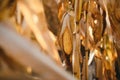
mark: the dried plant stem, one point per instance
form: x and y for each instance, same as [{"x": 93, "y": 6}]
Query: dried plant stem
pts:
[{"x": 39, "y": 27}]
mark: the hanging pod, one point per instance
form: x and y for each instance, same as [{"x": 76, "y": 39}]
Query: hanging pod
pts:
[{"x": 65, "y": 37}]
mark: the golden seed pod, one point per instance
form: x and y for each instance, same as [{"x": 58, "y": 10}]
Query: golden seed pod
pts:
[
  {"x": 65, "y": 37},
  {"x": 67, "y": 41}
]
